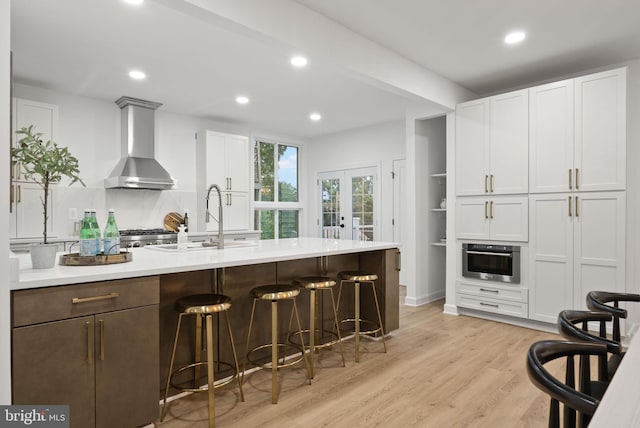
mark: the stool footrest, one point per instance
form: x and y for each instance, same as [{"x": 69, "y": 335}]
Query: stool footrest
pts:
[
  {"x": 204, "y": 387},
  {"x": 322, "y": 334},
  {"x": 295, "y": 358},
  {"x": 374, "y": 326}
]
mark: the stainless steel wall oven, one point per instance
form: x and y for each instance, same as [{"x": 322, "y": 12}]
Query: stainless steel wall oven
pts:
[{"x": 500, "y": 263}]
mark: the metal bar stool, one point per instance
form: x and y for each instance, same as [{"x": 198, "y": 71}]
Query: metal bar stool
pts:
[
  {"x": 275, "y": 293},
  {"x": 203, "y": 306},
  {"x": 358, "y": 278},
  {"x": 316, "y": 330}
]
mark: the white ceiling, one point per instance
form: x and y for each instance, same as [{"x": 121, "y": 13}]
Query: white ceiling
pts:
[
  {"x": 462, "y": 40},
  {"x": 86, "y": 47}
]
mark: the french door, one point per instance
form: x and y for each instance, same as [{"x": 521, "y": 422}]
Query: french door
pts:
[{"x": 349, "y": 204}]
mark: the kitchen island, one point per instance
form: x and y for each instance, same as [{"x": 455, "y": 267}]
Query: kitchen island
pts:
[{"x": 139, "y": 297}]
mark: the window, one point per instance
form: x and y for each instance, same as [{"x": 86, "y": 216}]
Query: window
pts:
[{"x": 276, "y": 195}]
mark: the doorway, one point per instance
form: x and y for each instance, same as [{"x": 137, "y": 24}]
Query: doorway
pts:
[{"x": 349, "y": 204}]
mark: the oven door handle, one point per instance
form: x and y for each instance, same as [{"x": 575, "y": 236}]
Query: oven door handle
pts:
[{"x": 487, "y": 253}]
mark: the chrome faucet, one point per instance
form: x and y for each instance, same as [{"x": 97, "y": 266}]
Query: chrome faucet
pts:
[{"x": 207, "y": 215}]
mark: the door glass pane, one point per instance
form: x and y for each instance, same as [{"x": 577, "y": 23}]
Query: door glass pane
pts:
[
  {"x": 362, "y": 208},
  {"x": 331, "y": 208},
  {"x": 264, "y": 172},
  {"x": 287, "y": 223},
  {"x": 287, "y": 173}
]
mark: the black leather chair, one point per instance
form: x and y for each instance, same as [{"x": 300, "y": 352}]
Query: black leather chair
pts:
[
  {"x": 573, "y": 325},
  {"x": 579, "y": 402}
]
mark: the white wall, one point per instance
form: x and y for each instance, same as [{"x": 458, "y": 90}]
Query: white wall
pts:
[
  {"x": 376, "y": 145},
  {"x": 91, "y": 129},
  {"x": 5, "y": 331}
]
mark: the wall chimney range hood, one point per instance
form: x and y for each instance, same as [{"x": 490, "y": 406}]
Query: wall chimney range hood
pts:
[{"x": 138, "y": 168}]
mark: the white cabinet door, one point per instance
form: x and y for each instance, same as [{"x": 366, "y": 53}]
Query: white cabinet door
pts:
[
  {"x": 551, "y": 137},
  {"x": 599, "y": 244},
  {"x": 472, "y": 218},
  {"x": 509, "y": 136},
  {"x": 600, "y": 130},
  {"x": 28, "y": 212},
  {"x": 235, "y": 212},
  {"x": 227, "y": 161},
  {"x": 551, "y": 256},
  {"x": 509, "y": 218},
  {"x": 472, "y": 147}
]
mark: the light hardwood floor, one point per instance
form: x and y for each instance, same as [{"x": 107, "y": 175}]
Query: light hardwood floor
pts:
[{"x": 439, "y": 371}]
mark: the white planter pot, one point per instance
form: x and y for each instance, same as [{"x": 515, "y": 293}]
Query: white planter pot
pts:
[{"x": 43, "y": 256}]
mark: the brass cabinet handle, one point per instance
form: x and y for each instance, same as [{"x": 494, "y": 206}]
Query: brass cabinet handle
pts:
[
  {"x": 486, "y": 204},
  {"x": 230, "y": 184},
  {"x": 577, "y": 212},
  {"x": 570, "y": 214},
  {"x": 89, "y": 342},
  {"x": 492, "y": 183},
  {"x": 491, "y": 210},
  {"x": 486, "y": 188},
  {"x": 398, "y": 261},
  {"x": 18, "y": 170},
  {"x": 577, "y": 178},
  {"x": 570, "y": 185},
  {"x": 19, "y": 194},
  {"x": 11, "y": 197},
  {"x": 486, "y": 290},
  {"x": 230, "y": 199},
  {"x": 93, "y": 298},
  {"x": 101, "y": 324}
]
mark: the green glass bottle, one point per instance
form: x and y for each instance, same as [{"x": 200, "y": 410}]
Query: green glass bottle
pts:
[
  {"x": 87, "y": 236},
  {"x": 96, "y": 231},
  {"x": 111, "y": 235}
]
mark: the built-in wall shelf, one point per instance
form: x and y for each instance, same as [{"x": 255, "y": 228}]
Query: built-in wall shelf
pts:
[
  {"x": 440, "y": 175},
  {"x": 440, "y": 244},
  {"x": 438, "y": 209}
]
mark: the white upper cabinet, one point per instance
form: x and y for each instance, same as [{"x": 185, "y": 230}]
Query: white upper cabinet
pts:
[
  {"x": 551, "y": 137},
  {"x": 509, "y": 159},
  {"x": 227, "y": 160},
  {"x": 577, "y": 134},
  {"x": 600, "y": 130},
  {"x": 472, "y": 147},
  {"x": 492, "y": 145},
  {"x": 499, "y": 218}
]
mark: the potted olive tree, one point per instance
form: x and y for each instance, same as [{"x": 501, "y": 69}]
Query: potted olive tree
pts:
[{"x": 45, "y": 164}]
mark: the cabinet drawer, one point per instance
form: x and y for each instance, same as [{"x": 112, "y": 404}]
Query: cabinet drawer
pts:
[
  {"x": 56, "y": 303},
  {"x": 497, "y": 306},
  {"x": 512, "y": 293}
]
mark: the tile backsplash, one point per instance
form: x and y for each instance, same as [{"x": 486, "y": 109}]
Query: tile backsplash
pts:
[{"x": 134, "y": 208}]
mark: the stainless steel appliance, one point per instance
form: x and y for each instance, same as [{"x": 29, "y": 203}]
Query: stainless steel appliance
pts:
[
  {"x": 490, "y": 262},
  {"x": 141, "y": 237}
]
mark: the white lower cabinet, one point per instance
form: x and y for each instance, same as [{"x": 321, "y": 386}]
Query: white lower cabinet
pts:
[
  {"x": 577, "y": 244},
  {"x": 504, "y": 299},
  {"x": 501, "y": 218}
]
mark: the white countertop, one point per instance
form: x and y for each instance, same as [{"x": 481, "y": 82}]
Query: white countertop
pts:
[
  {"x": 153, "y": 262},
  {"x": 620, "y": 406}
]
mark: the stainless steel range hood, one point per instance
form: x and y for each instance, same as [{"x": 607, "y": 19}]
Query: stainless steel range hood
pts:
[{"x": 138, "y": 168}]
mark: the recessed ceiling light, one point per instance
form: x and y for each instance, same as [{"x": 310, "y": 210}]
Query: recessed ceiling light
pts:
[
  {"x": 134, "y": 2},
  {"x": 298, "y": 61},
  {"x": 137, "y": 74},
  {"x": 514, "y": 37},
  {"x": 242, "y": 99},
  {"x": 315, "y": 117}
]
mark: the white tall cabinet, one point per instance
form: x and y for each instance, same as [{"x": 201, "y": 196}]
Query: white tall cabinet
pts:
[
  {"x": 573, "y": 202},
  {"x": 223, "y": 159},
  {"x": 577, "y": 202},
  {"x": 25, "y": 218}
]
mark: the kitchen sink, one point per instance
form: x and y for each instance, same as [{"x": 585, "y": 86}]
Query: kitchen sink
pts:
[{"x": 201, "y": 246}]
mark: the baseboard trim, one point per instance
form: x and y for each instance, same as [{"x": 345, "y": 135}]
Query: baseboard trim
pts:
[
  {"x": 414, "y": 302},
  {"x": 520, "y": 322},
  {"x": 450, "y": 309}
]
